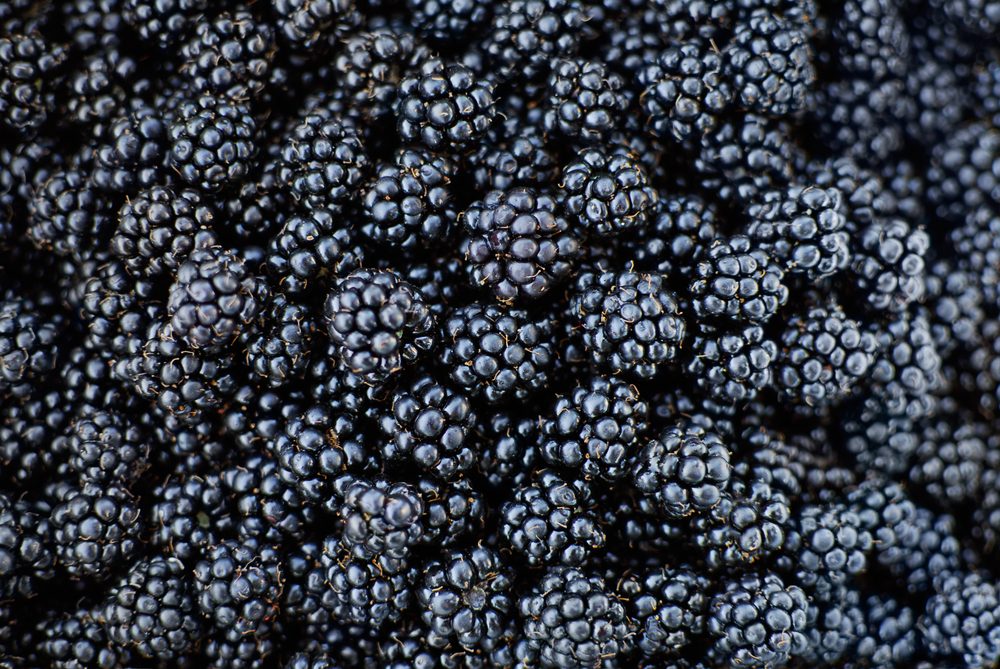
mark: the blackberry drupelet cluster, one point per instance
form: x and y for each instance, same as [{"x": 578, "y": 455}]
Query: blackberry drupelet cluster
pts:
[
  {"x": 212, "y": 142},
  {"x": 607, "y": 191},
  {"x": 586, "y": 101},
  {"x": 737, "y": 280}
]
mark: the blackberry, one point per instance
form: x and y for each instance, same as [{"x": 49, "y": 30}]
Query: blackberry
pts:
[
  {"x": 307, "y": 26},
  {"x": 586, "y": 101},
  {"x": 213, "y": 142},
  {"x": 548, "y": 521},
  {"x": 608, "y": 191},
  {"x": 518, "y": 244},
  {"x": 30, "y": 431},
  {"x": 26, "y": 551},
  {"x": 29, "y": 343},
  {"x": 69, "y": 216},
  {"x": 95, "y": 528},
  {"x": 939, "y": 99},
  {"x": 279, "y": 344},
  {"x": 824, "y": 357},
  {"x": 865, "y": 197},
  {"x": 685, "y": 470},
  {"x": 949, "y": 463},
  {"x": 261, "y": 205},
  {"x": 98, "y": 90},
  {"x": 312, "y": 247},
  {"x": 466, "y": 597},
  {"x": 685, "y": 91},
  {"x": 520, "y": 156},
  {"x": 744, "y": 157},
  {"x": 323, "y": 161},
  {"x": 106, "y": 448},
  {"x": 964, "y": 171},
  {"x": 829, "y": 548},
  {"x": 133, "y": 150},
  {"x": 977, "y": 16},
  {"x": 861, "y": 119},
  {"x": 731, "y": 367},
  {"x": 158, "y": 228},
  {"x": 758, "y": 621},
  {"x": 975, "y": 245},
  {"x": 77, "y": 639},
  {"x": 164, "y": 22},
  {"x": 750, "y": 522},
  {"x": 189, "y": 516},
  {"x": 680, "y": 229},
  {"x": 889, "y": 635},
  {"x": 498, "y": 353},
  {"x": 409, "y": 203},
  {"x": 889, "y": 264},
  {"x": 955, "y": 305},
  {"x": 380, "y": 519},
  {"x": 596, "y": 428},
  {"x": 445, "y": 107},
  {"x": 572, "y": 619},
  {"x": 153, "y": 610},
  {"x": 509, "y": 448},
  {"x": 454, "y": 511},
  {"x": 371, "y": 65},
  {"x": 834, "y": 628},
  {"x": 959, "y": 621},
  {"x": 668, "y": 605},
  {"x": 27, "y": 95},
  {"x": 525, "y": 35},
  {"x": 230, "y": 55},
  {"x": 907, "y": 369},
  {"x": 871, "y": 39},
  {"x": 448, "y": 21},
  {"x": 213, "y": 298},
  {"x": 238, "y": 586},
  {"x": 268, "y": 509},
  {"x": 737, "y": 281}
]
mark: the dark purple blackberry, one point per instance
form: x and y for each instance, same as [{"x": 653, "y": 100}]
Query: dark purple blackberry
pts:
[
  {"x": 680, "y": 229},
  {"x": 268, "y": 509},
  {"x": 261, "y": 205},
  {"x": 518, "y": 245},
  {"x": 213, "y": 142},
  {"x": 548, "y": 521},
  {"x": 92, "y": 24},
  {"x": 731, "y": 367},
  {"x": 889, "y": 635},
  {"x": 608, "y": 191},
  {"x": 977, "y": 249},
  {"x": 964, "y": 171},
  {"x": 939, "y": 98},
  {"x": 29, "y": 343},
  {"x": 861, "y": 119},
  {"x": 323, "y": 161},
  {"x": 596, "y": 428},
  {"x": 828, "y": 547},
  {"x": 668, "y": 605},
  {"x": 823, "y": 358},
  {"x": 409, "y": 204},
  {"x": 106, "y": 447},
  {"x": 77, "y": 639},
  {"x": 95, "y": 528},
  {"x": 445, "y": 107},
  {"x": 888, "y": 265},
  {"x": 313, "y": 247},
  {"x": 99, "y": 88},
  {"x": 371, "y": 65},
  {"x": 133, "y": 150},
  {"x": 229, "y": 56},
  {"x": 870, "y": 39},
  {"x": 519, "y": 156},
  {"x": 751, "y": 522},
  {"x": 744, "y": 157},
  {"x": 498, "y": 353},
  {"x": 380, "y": 519},
  {"x": 736, "y": 280},
  {"x": 238, "y": 586},
  {"x": 684, "y": 471},
  {"x": 955, "y": 303},
  {"x": 279, "y": 343},
  {"x": 586, "y": 101},
  {"x": 309, "y": 26},
  {"x": 158, "y": 228},
  {"x": 573, "y": 619},
  {"x": 449, "y": 21},
  {"x": 115, "y": 316},
  {"x": 865, "y": 197},
  {"x": 948, "y": 465},
  {"x": 153, "y": 610},
  {"x": 509, "y": 450},
  {"x": 188, "y": 516},
  {"x": 907, "y": 369},
  {"x": 526, "y": 35},
  {"x": 27, "y": 94},
  {"x": 631, "y": 321},
  {"x": 31, "y": 431},
  {"x": 164, "y": 22},
  {"x": 455, "y": 511},
  {"x": 959, "y": 620},
  {"x": 69, "y": 216},
  {"x": 758, "y": 621},
  {"x": 685, "y": 91},
  {"x": 26, "y": 551}
]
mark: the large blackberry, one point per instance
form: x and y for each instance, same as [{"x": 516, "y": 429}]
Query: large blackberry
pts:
[
  {"x": 229, "y": 55},
  {"x": 586, "y": 101},
  {"x": 238, "y": 586},
  {"x": 509, "y": 448},
  {"x": 907, "y": 369},
  {"x": 960, "y": 620},
  {"x": 97, "y": 89},
  {"x": 268, "y": 509},
  {"x": 29, "y": 65},
  {"x": 526, "y": 34},
  {"x": 69, "y": 216},
  {"x": 889, "y": 634},
  {"x": 106, "y": 447},
  {"x": 518, "y": 244},
  {"x": 735, "y": 280},
  {"x": 95, "y": 528},
  {"x": 380, "y": 519},
  {"x": 955, "y": 304},
  {"x": 213, "y": 142},
  {"x": 608, "y": 191},
  {"x": 668, "y": 605},
  {"x": 888, "y": 265},
  {"x": 312, "y": 248},
  {"x": 750, "y": 522},
  {"x": 731, "y": 367},
  {"x": 371, "y": 65}
]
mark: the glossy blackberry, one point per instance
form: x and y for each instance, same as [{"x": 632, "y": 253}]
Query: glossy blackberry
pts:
[
  {"x": 586, "y": 101},
  {"x": 159, "y": 227},
  {"x": 98, "y": 88},
  {"x": 548, "y": 521},
  {"x": 877, "y": 439},
  {"x": 834, "y": 628},
  {"x": 105, "y": 447},
  {"x": 371, "y": 65},
  {"x": 310, "y": 249},
  {"x": 863, "y": 193},
  {"x": 829, "y": 548},
  {"x": 509, "y": 450},
  {"x": 824, "y": 357},
  {"x": 668, "y": 605},
  {"x": 681, "y": 227},
  {"x": 573, "y": 619},
  {"x": 959, "y": 620},
  {"x": 213, "y": 142},
  {"x": 526, "y": 34},
  {"x": 189, "y": 516},
  {"x": 212, "y": 299},
  {"x": 380, "y": 519},
  {"x": 308, "y": 26},
  {"x": 268, "y": 509},
  {"x": 153, "y": 610},
  {"x": 889, "y": 634},
  {"x": 804, "y": 228},
  {"x": 518, "y": 245},
  {"x": 751, "y": 522},
  {"x": 410, "y": 202},
  {"x": 230, "y": 55},
  {"x": 30, "y": 431},
  {"x": 455, "y": 511},
  {"x": 520, "y": 156},
  {"x": 498, "y": 353},
  {"x": 949, "y": 463},
  {"x": 164, "y": 22},
  {"x": 758, "y": 621},
  {"x": 26, "y": 550},
  {"x": 736, "y": 280},
  {"x": 862, "y": 119},
  {"x": 684, "y": 471},
  {"x": 448, "y": 21},
  {"x": 77, "y": 639},
  {"x": 871, "y": 39},
  {"x": 685, "y": 91},
  {"x": 27, "y": 94},
  {"x": 238, "y": 586},
  {"x": 744, "y": 157},
  {"x": 228, "y": 648},
  {"x": 907, "y": 369},
  {"x": 279, "y": 344},
  {"x": 95, "y": 528},
  {"x": 133, "y": 150},
  {"x": 889, "y": 264},
  {"x": 69, "y": 216},
  {"x": 323, "y": 160},
  {"x": 608, "y": 191},
  {"x": 29, "y": 343},
  {"x": 732, "y": 367},
  {"x": 445, "y": 107}
]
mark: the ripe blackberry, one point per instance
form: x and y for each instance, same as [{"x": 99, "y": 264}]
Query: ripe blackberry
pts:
[
  {"x": 954, "y": 451},
  {"x": 29, "y": 342},
  {"x": 608, "y": 191},
  {"x": 888, "y": 265},
  {"x": 731, "y": 367},
  {"x": 861, "y": 119},
  {"x": 69, "y": 216},
  {"x": 189, "y": 516},
  {"x": 685, "y": 91},
  {"x": 77, "y": 639},
  {"x": 519, "y": 156},
  {"x": 758, "y": 621},
  {"x": 238, "y": 586},
  {"x": 631, "y": 321},
  {"x": 572, "y": 619},
  {"x": 279, "y": 344},
  {"x": 526, "y": 35},
  {"x": 133, "y": 150},
  {"x": 828, "y": 548},
  {"x": 380, "y": 519},
  {"x": 509, "y": 450},
  {"x": 153, "y": 610},
  {"x": 750, "y": 522},
  {"x": 445, "y": 107},
  {"x": 260, "y": 206},
  {"x": 668, "y": 605},
  {"x": 448, "y": 21},
  {"x": 596, "y": 428},
  {"x": 889, "y": 635},
  {"x": 871, "y": 39},
  {"x": 824, "y": 357},
  {"x": 371, "y": 65},
  {"x": 213, "y": 298},
  {"x": 99, "y": 88},
  {"x": 964, "y": 171},
  {"x": 803, "y": 228},
  {"x": 105, "y": 447},
  {"x": 229, "y": 56},
  {"x": 680, "y": 229},
  {"x": 466, "y": 598},
  {"x": 548, "y": 521},
  {"x": 959, "y": 620},
  {"x": 158, "y": 228},
  {"x": 980, "y": 17},
  {"x": 409, "y": 203},
  {"x": 955, "y": 303},
  {"x": 907, "y": 368},
  {"x": 27, "y": 94},
  {"x": 455, "y": 511},
  {"x": 976, "y": 247},
  {"x": 95, "y": 528},
  {"x": 308, "y": 26},
  {"x": 586, "y": 101},
  {"x": 735, "y": 280},
  {"x": 834, "y": 628},
  {"x": 518, "y": 244},
  {"x": 685, "y": 470},
  {"x": 26, "y": 551},
  {"x": 498, "y": 353},
  {"x": 312, "y": 247},
  {"x": 213, "y": 142},
  {"x": 268, "y": 509},
  {"x": 164, "y": 22}
]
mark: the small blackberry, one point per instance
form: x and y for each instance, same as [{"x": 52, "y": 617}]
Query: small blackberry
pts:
[
  {"x": 380, "y": 519},
  {"x": 871, "y": 39},
  {"x": 907, "y": 369},
  {"x": 229, "y": 56},
  {"x": 312, "y": 247},
  {"x": 608, "y": 191},
  {"x": 509, "y": 448},
  {"x": 955, "y": 303},
  {"x": 750, "y": 522},
  {"x": 164, "y": 22},
  {"x": 668, "y": 605},
  {"x": 371, "y": 65},
  {"x": 735, "y": 280},
  {"x": 105, "y": 447},
  {"x": 213, "y": 142},
  {"x": 960, "y": 620},
  {"x": 448, "y": 21},
  {"x": 69, "y": 216},
  {"x": 238, "y": 586},
  {"x": 732, "y": 367},
  {"x": 133, "y": 150},
  {"x": 95, "y": 528},
  {"x": 889, "y": 635},
  {"x": 455, "y": 511},
  {"x": 518, "y": 244},
  {"x": 98, "y": 89},
  {"x": 681, "y": 227},
  {"x": 279, "y": 344},
  {"x": 888, "y": 265},
  {"x": 949, "y": 463},
  {"x": 268, "y": 509},
  {"x": 586, "y": 101},
  {"x": 526, "y": 35},
  {"x": 27, "y": 94},
  {"x": 189, "y": 516}
]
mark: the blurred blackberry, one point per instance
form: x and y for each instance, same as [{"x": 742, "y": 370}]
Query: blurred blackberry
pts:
[
  {"x": 680, "y": 229},
  {"x": 684, "y": 471},
  {"x": 608, "y": 191},
  {"x": 834, "y": 628},
  {"x": 518, "y": 156},
  {"x": 731, "y": 367},
  {"x": 76, "y": 639},
  {"x": 229, "y": 56},
  {"x": 634, "y": 43},
  {"x": 596, "y": 428},
  {"x": 964, "y": 171},
  {"x": 497, "y": 353},
  {"x": 153, "y": 610},
  {"x": 824, "y": 357},
  {"x": 751, "y": 522},
  {"x": 870, "y": 39},
  {"x": 133, "y": 150},
  {"x": 279, "y": 344},
  {"x": 371, "y": 65},
  {"x": 27, "y": 95},
  {"x": 188, "y": 516},
  {"x": 69, "y": 217},
  {"x": 518, "y": 244},
  {"x": 509, "y": 450},
  {"x": 92, "y": 24},
  {"x": 213, "y": 142},
  {"x": 828, "y": 548},
  {"x": 758, "y": 621},
  {"x": 323, "y": 161},
  {"x": 977, "y": 251},
  {"x": 737, "y": 281},
  {"x": 985, "y": 90},
  {"x": 29, "y": 342},
  {"x": 312, "y": 247},
  {"x": 986, "y": 516},
  {"x": 889, "y": 635},
  {"x": 163, "y": 22},
  {"x": 888, "y": 265},
  {"x": 876, "y": 438},
  {"x": 668, "y": 605},
  {"x": 449, "y": 21},
  {"x": 228, "y": 648},
  {"x": 307, "y": 26},
  {"x": 685, "y": 91},
  {"x": 907, "y": 369},
  {"x": 939, "y": 98},
  {"x": 158, "y": 228},
  {"x": 445, "y": 107},
  {"x": 380, "y": 519},
  {"x": 238, "y": 586},
  {"x": 105, "y": 448},
  {"x": 29, "y": 435},
  {"x": 860, "y": 119},
  {"x": 95, "y": 528},
  {"x": 409, "y": 203},
  {"x": 959, "y": 620},
  {"x": 948, "y": 465},
  {"x": 586, "y": 101},
  {"x": 865, "y": 197},
  {"x": 981, "y": 17},
  {"x": 455, "y": 511},
  {"x": 631, "y": 322},
  {"x": 548, "y": 521},
  {"x": 26, "y": 550},
  {"x": 572, "y": 619},
  {"x": 99, "y": 88}
]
